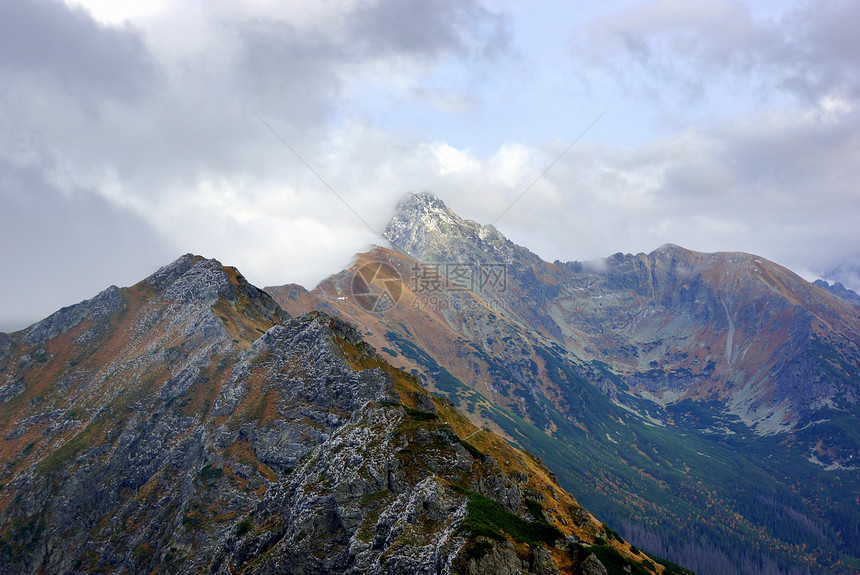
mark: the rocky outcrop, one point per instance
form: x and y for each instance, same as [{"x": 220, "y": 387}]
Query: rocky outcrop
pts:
[{"x": 103, "y": 305}]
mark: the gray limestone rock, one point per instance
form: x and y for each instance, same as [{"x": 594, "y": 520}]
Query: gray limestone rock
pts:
[{"x": 103, "y": 305}]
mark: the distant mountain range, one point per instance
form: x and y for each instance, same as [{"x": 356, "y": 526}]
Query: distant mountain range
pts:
[
  {"x": 188, "y": 424},
  {"x": 704, "y": 404}
]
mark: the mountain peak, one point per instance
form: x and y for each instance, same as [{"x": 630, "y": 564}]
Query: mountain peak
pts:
[
  {"x": 191, "y": 283},
  {"x": 422, "y": 212},
  {"x": 194, "y": 278},
  {"x": 429, "y": 231},
  {"x": 427, "y": 199},
  {"x": 671, "y": 248},
  {"x": 166, "y": 275},
  {"x": 418, "y": 220}
]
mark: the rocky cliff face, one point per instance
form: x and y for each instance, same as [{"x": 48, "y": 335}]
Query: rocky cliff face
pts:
[{"x": 188, "y": 424}]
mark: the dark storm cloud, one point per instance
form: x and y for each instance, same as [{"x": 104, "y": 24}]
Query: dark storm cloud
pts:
[
  {"x": 189, "y": 114},
  {"x": 46, "y": 41},
  {"x": 286, "y": 71},
  {"x": 62, "y": 244},
  {"x": 304, "y": 70},
  {"x": 61, "y": 248}
]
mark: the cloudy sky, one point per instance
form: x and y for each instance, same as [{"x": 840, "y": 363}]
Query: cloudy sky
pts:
[{"x": 131, "y": 133}]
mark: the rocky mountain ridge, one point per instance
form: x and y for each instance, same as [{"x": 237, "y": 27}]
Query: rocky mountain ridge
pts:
[{"x": 189, "y": 424}]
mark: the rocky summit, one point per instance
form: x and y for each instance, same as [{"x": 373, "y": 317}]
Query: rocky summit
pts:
[
  {"x": 673, "y": 392},
  {"x": 188, "y": 424}
]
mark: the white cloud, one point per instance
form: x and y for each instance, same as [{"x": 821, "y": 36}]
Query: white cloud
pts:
[
  {"x": 149, "y": 128},
  {"x": 453, "y": 161},
  {"x": 778, "y": 184},
  {"x": 113, "y": 13},
  {"x": 157, "y": 116}
]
